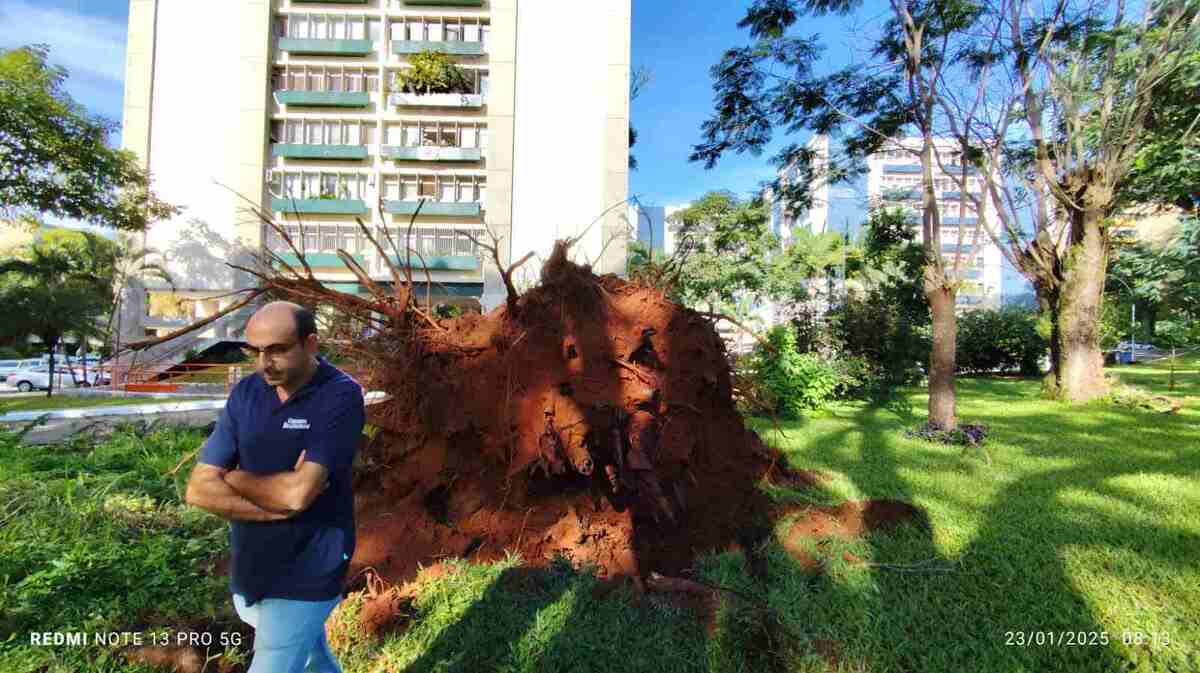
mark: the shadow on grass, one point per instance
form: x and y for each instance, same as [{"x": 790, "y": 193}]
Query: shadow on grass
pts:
[
  {"x": 1012, "y": 577},
  {"x": 555, "y": 619}
]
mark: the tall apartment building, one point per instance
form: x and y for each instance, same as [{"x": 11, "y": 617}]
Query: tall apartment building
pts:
[
  {"x": 293, "y": 106},
  {"x": 894, "y": 179}
]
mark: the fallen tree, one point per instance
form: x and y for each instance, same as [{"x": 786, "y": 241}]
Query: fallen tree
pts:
[{"x": 589, "y": 417}]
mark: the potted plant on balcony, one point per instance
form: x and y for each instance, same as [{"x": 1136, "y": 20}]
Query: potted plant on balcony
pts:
[{"x": 432, "y": 72}]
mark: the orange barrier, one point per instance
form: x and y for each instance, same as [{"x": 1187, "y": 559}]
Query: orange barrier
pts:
[{"x": 151, "y": 388}]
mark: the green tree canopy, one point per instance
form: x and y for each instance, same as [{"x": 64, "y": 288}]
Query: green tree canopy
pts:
[
  {"x": 61, "y": 284},
  {"x": 54, "y": 156}
]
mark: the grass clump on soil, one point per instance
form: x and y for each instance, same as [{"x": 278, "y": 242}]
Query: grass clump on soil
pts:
[{"x": 94, "y": 537}]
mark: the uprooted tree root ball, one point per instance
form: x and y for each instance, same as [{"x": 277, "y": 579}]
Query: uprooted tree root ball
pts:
[{"x": 595, "y": 421}]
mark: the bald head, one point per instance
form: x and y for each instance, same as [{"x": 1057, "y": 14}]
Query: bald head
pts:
[
  {"x": 280, "y": 316},
  {"x": 282, "y": 337}
]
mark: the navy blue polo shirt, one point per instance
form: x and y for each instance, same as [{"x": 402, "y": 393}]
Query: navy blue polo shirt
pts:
[{"x": 304, "y": 557}]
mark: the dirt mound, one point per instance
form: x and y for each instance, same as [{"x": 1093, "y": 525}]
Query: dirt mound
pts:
[
  {"x": 853, "y": 518},
  {"x": 847, "y": 521},
  {"x": 593, "y": 419}
]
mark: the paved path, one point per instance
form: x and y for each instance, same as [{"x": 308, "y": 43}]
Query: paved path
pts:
[{"x": 64, "y": 423}]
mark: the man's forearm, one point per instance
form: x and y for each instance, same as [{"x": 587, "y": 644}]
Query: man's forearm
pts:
[
  {"x": 218, "y": 497},
  {"x": 268, "y": 491}
]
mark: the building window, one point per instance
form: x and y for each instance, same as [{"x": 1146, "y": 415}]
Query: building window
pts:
[{"x": 428, "y": 187}]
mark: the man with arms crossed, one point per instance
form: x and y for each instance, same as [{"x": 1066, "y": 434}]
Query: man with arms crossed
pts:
[{"x": 278, "y": 466}]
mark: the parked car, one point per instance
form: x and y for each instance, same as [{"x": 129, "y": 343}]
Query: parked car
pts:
[
  {"x": 9, "y": 366},
  {"x": 38, "y": 378},
  {"x": 1124, "y": 346}
]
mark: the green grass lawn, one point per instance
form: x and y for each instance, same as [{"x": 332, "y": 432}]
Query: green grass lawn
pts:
[
  {"x": 43, "y": 403},
  {"x": 1084, "y": 523}
]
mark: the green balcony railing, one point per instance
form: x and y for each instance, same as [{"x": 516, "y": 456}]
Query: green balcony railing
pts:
[
  {"x": 439, "y": 289},
  {"x": 440, "y": 262},
  {"x": 456, "y": 48},
  {"x": 300, "y": 151},
  {"x": 320, "y": 206},
  {"x": 445, "y": 3},
  {"x": 467, "y": 209},
  {"x": 323, "y": 98},
  {"x": 320, "y": 259},
  {"x": 295, "y": 45},
  {"x": 431, "y": 153}
]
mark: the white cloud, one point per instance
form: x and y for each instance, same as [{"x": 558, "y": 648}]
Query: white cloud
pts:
[{"x": 87, "y": 46}]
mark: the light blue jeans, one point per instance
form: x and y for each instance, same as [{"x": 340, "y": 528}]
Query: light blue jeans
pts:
[{"x": 289, "y": 636}]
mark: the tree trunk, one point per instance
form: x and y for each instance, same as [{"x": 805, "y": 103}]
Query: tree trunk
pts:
[
  {"x": 942, "y": 355},
  {"x": 1047, "y": 298},
  {"x": 1080, "y": 362},
  {"x": 50, "y": 379}
]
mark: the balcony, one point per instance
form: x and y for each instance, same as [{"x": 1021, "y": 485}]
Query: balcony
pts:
[
  {"x": 431, "y": 153},
  {"x": 318, "y": 259},
  {"x": 439, "y": 100},
  {"x": 330, "y": 2},
  {"x": 320, "y": 206},
  {"x": 299, "y": 151},
  {"x": 953, "y": 247},
  {"x": 453, "y": 47},
  {"x": 444, "y": 3},
  {"x": 323, "y": 98},
  {"x": 439, "y": 262},
  {"x": 306, "y": 47},
  {"x": 436, "y": 208}
]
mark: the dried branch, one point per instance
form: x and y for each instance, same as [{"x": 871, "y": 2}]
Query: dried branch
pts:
[{"x": 199, "y": 324}]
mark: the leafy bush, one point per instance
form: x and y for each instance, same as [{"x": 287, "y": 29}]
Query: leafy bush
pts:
[
  {"x": 1176, "y": 333},
  {"x": 1004, "y": 339},
  {"x": 432, "y": 72},
  {"x": 893, "y": 336},
  {"x": 793, "y": 382}
]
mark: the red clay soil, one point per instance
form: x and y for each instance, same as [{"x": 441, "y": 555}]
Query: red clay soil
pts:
[
  {"x": 178, "y": 659},
  {"x": 853, "y": 519},
  {"x": 596, "y": 422},
  {"x": 849, "y": 520}
]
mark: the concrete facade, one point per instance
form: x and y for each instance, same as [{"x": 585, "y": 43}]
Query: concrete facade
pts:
[
  {"x": 894, "y": 180},
  {"x": 294, "y": 109}
]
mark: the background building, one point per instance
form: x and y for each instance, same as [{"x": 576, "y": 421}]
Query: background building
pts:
[
  {"x": 815, "y": 219},
  {"x": 292, "y": 106},
  {"x": 894, "y": 180},
  {"x": 651, "y": 225}
]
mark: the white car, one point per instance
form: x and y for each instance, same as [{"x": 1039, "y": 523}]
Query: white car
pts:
[
  {"x": 39, "y": 377},
  {"x": 9, "y": 366}
]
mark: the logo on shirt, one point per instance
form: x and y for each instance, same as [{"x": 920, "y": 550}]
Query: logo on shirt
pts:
[{"x": 295, "y": 424}]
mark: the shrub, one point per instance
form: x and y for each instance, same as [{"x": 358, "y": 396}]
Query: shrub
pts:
[
  {"x": 432, "y": 72},
  {"x": 1005, "y": 339},
  {"x": 793, "y": 382},
  {"x": 892, "y": 336}
]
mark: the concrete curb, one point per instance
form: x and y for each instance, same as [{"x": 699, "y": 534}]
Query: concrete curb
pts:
[{"x": 122, "y": 410}]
